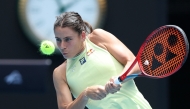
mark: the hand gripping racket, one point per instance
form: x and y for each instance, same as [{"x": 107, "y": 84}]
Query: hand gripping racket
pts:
[{"x": 162, "y": 54}]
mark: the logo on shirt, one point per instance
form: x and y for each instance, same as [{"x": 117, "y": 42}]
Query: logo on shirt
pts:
[
  {"x": 89, "y": 52},
  {"x": 82, "y": 60}
]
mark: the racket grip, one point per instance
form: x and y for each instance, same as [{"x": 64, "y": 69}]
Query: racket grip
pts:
[
  {"x": 131, "y": 76},
  {"x": 117, "y": 81}
]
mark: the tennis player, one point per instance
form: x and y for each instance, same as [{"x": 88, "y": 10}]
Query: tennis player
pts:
[{"x": 93, "y": 58}]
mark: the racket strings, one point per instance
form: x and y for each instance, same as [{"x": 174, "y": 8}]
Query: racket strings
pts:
[{"x": 164, "y": 52}]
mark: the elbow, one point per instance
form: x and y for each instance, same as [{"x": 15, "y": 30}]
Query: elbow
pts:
[{"x": 62, "y": 106}]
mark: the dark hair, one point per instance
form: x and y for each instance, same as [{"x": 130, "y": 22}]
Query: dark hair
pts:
[{"x": 74, "y": 21}]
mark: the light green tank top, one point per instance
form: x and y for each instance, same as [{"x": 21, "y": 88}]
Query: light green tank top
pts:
[{"x": 95, "y": 66}]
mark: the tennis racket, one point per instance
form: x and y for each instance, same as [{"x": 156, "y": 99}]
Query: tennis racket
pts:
[{"x": 162, "y": 54}]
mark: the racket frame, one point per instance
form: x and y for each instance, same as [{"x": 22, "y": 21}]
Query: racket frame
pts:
[{"x": 137, "y": 59}]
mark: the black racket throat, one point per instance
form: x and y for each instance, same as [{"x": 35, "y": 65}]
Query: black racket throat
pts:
[{"x": 120, "y": 80}]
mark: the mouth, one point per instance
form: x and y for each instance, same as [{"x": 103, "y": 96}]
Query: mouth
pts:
[{"x": 64, "y": 53}]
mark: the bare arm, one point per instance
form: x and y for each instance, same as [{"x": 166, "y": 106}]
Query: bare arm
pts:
[
  {"x": 115, "y": 47},
  {"x": 64, "y": 97},
  {"x": 118, "y": 50}
]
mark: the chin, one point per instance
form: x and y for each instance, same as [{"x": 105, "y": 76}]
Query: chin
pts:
[{"x": 67, "y": 57}]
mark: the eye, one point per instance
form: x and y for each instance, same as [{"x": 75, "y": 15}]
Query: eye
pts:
[
  {"x": 58, "y": 40},
  {"x": 67, "y": 39}
]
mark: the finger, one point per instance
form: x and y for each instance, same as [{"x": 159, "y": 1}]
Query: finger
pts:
[
  {"x": 112, "y": 88},
  {"x": 116, "y": 85},
  {"x": 97, "y": 97},
  {"x": 110, "y": 85},
  {"x": 107, "y": 87},
  {"x": 100, "y": 96},
  {"x": 112, "y": 78},
  {"x": 102, "y": 93},
  {"x": 113, "y": 92},
  {"x": 115, "y": 88}
]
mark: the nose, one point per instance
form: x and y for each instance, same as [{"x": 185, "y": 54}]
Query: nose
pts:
[{"x": 62, "y": 45}]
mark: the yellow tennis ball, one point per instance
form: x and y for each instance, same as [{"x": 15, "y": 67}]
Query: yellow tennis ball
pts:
[{"x": 47, "y": 47}]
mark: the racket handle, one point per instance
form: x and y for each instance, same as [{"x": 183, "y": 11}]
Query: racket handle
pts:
[
  {"x": 117, "y": 81},
  {"x": 131, "y": 76}
]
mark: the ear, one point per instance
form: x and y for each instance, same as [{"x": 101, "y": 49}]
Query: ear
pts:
[{"x": 83, "y": 35}]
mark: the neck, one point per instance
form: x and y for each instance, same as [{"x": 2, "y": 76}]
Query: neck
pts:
[{"x": 81, "y": 50}]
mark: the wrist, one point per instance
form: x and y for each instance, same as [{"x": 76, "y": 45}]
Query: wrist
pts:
[{"x": 85, "y": 93}]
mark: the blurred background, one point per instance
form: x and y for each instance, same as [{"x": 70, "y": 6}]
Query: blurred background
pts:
[{"x": 26, "y": 74}]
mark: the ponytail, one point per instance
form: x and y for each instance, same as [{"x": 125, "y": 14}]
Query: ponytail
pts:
[{"x": 87, "y": 27}]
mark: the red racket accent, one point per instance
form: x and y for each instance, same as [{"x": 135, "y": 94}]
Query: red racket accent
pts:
[{"x": 163, "y": 53}]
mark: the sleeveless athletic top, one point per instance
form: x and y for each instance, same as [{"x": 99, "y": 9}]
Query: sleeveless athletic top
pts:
[{"x": 95, "y": 66}]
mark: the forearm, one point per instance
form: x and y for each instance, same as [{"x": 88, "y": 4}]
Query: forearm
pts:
[
  {"x": 79, "y": 103},
  {"x": 134, "y": 69}
]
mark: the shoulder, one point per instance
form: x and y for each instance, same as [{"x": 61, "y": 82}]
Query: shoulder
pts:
[
  {"x": 112, "y": 44},
  {"x": 59, "y": 72},
  {"x": 104, "y": 38},
  {"x": 100, "y": 37},
  {"x": 99, "y": 33}
]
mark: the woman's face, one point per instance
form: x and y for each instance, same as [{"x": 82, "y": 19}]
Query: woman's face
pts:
[{"x": 69, "y": 42}]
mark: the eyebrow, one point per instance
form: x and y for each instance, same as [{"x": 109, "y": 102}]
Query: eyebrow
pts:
[{"x": 64, "y": 37}]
